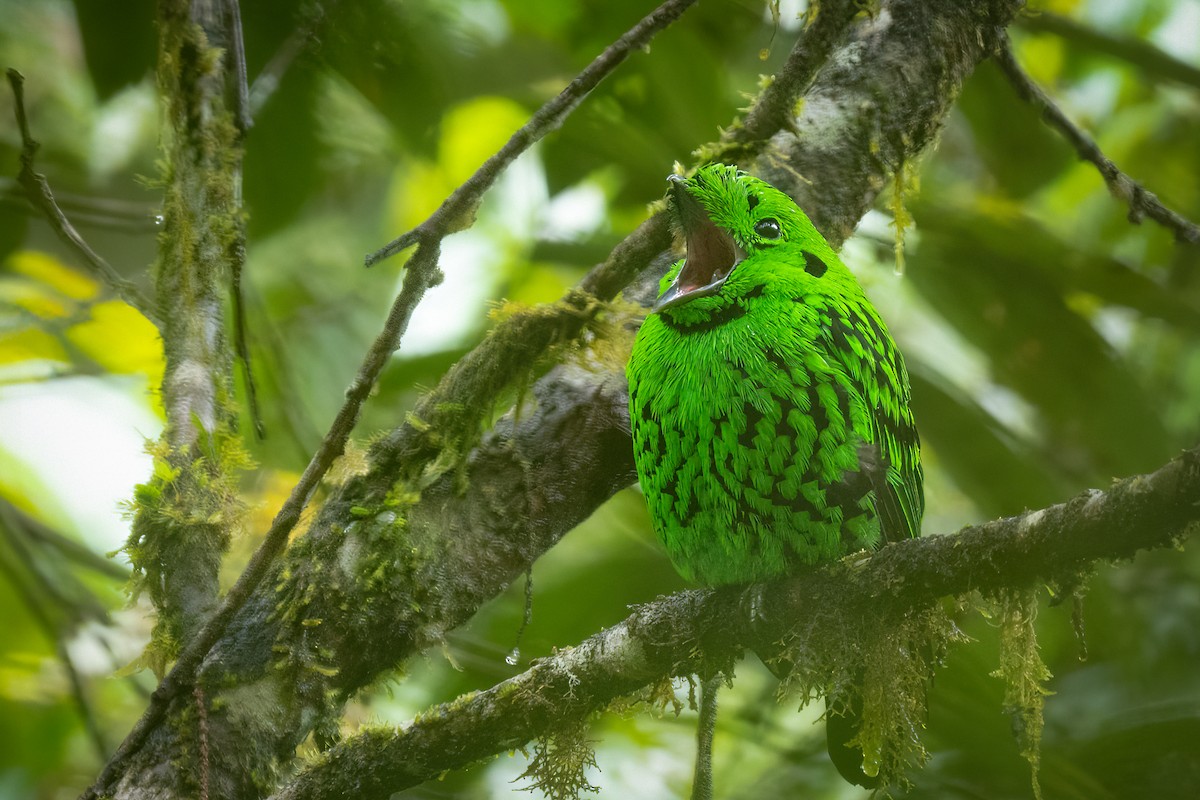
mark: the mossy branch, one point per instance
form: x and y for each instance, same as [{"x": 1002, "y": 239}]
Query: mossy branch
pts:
[{"x": 690, "y": 631}]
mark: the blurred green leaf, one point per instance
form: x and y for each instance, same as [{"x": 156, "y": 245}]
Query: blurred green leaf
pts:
[{"x": 119, "y": 42}]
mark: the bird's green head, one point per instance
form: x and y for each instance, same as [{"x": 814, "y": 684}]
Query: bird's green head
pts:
[{"x": 726, "y": 217}]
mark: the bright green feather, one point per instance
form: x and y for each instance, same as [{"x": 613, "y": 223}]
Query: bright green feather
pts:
[{"x": 770, "y": 408}]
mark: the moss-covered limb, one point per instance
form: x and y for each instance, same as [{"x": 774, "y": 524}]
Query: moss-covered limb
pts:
[
  {"x": 359, "y": 595},
  {"x": 449, "y": 419},
  {"x": 694, "y": 631},
  {"x": 657, "y": 640},
  {"x": 202, "y": 226},
  {"x": 875, "y": 106},
  {"x": 185, "y": 512}
]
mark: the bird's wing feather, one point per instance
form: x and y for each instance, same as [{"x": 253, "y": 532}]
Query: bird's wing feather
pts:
[{"x": 890, "y": 457}]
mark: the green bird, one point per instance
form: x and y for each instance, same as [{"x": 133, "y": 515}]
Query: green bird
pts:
[{"x": 769, "y": 406}]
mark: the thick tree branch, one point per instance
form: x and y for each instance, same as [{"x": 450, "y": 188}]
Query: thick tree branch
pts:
[
  {"x": 690, "y": 631},
  {"x": 187, "y": 509},
  {"x": 1142, "y": 203},
  {"x": 37, "y": 190}
]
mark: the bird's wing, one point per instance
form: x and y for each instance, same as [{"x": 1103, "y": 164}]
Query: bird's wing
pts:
[{"x": 890, "y": 455}]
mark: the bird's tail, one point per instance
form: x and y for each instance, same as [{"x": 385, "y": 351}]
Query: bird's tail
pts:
[{"x": 843, "y": 716}]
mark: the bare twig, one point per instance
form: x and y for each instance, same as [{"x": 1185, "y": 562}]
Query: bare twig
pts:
[
  {"x": 241, "y": 342},
  {"x": 690, "y": 631},
  {"x": 1138, "y": 52},
  {"x": 38, "y": 190},
  {"x": 241, "y": 91},
  {"x": 68, "y": 548},
  {"x": 241, "y": 112},
  {"x": 37, "y": 606},
  {"x": 1142, "y": 203},
  {"x": 97, "y": 212},
  {"x": 458, "y": 210},
  {"x": 267, "y": 81}
]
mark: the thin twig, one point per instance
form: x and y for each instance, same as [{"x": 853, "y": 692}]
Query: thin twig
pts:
[
  {"x": 241, "y": 113},
  {"x": 97, "y": 212},
  {"x": 1138, "y": 52},
  {"x": 1142, "y": 203},
  {"x": 458, "y": 209},
  {"x": 37, "y": 609},
  {"x": 241, "y": 91},
  {"x": 68, "y": 548},
  {"x": 38, "y": 191},
  {"x": 267, "y": 81},
  {"x": 241, "y": 341}
]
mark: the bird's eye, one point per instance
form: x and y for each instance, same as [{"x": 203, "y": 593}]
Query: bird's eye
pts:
[{"x": 768, "y": 228}]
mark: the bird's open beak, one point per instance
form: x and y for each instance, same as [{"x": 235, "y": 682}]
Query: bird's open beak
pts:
[{"x": 711, "y": 251}]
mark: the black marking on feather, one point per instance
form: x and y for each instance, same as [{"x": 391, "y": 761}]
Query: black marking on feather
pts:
[
  {"x": 750, "y": 430},
  {"x": 813, "y": 264},
  {"x": 853, "y": 486},
  {"x": 797, "y": 505},
  {"x": 843, "y": 398},
  {"x": 816, "y": 410},
  {"x": 720, "y": 317},
  {"x": 689, "y": 507},
  {"x": 782, "y": 428},
  {"x": 778, "y": 360}
]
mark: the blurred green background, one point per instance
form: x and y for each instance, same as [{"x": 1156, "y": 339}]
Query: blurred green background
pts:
[{"x": 1053, "y": 346}]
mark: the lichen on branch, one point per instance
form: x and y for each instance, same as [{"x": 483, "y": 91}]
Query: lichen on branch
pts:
[{"x": 185, "y": 514}]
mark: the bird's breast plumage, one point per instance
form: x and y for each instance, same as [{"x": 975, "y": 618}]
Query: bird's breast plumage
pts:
[{"x": 749, "y": 430}]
